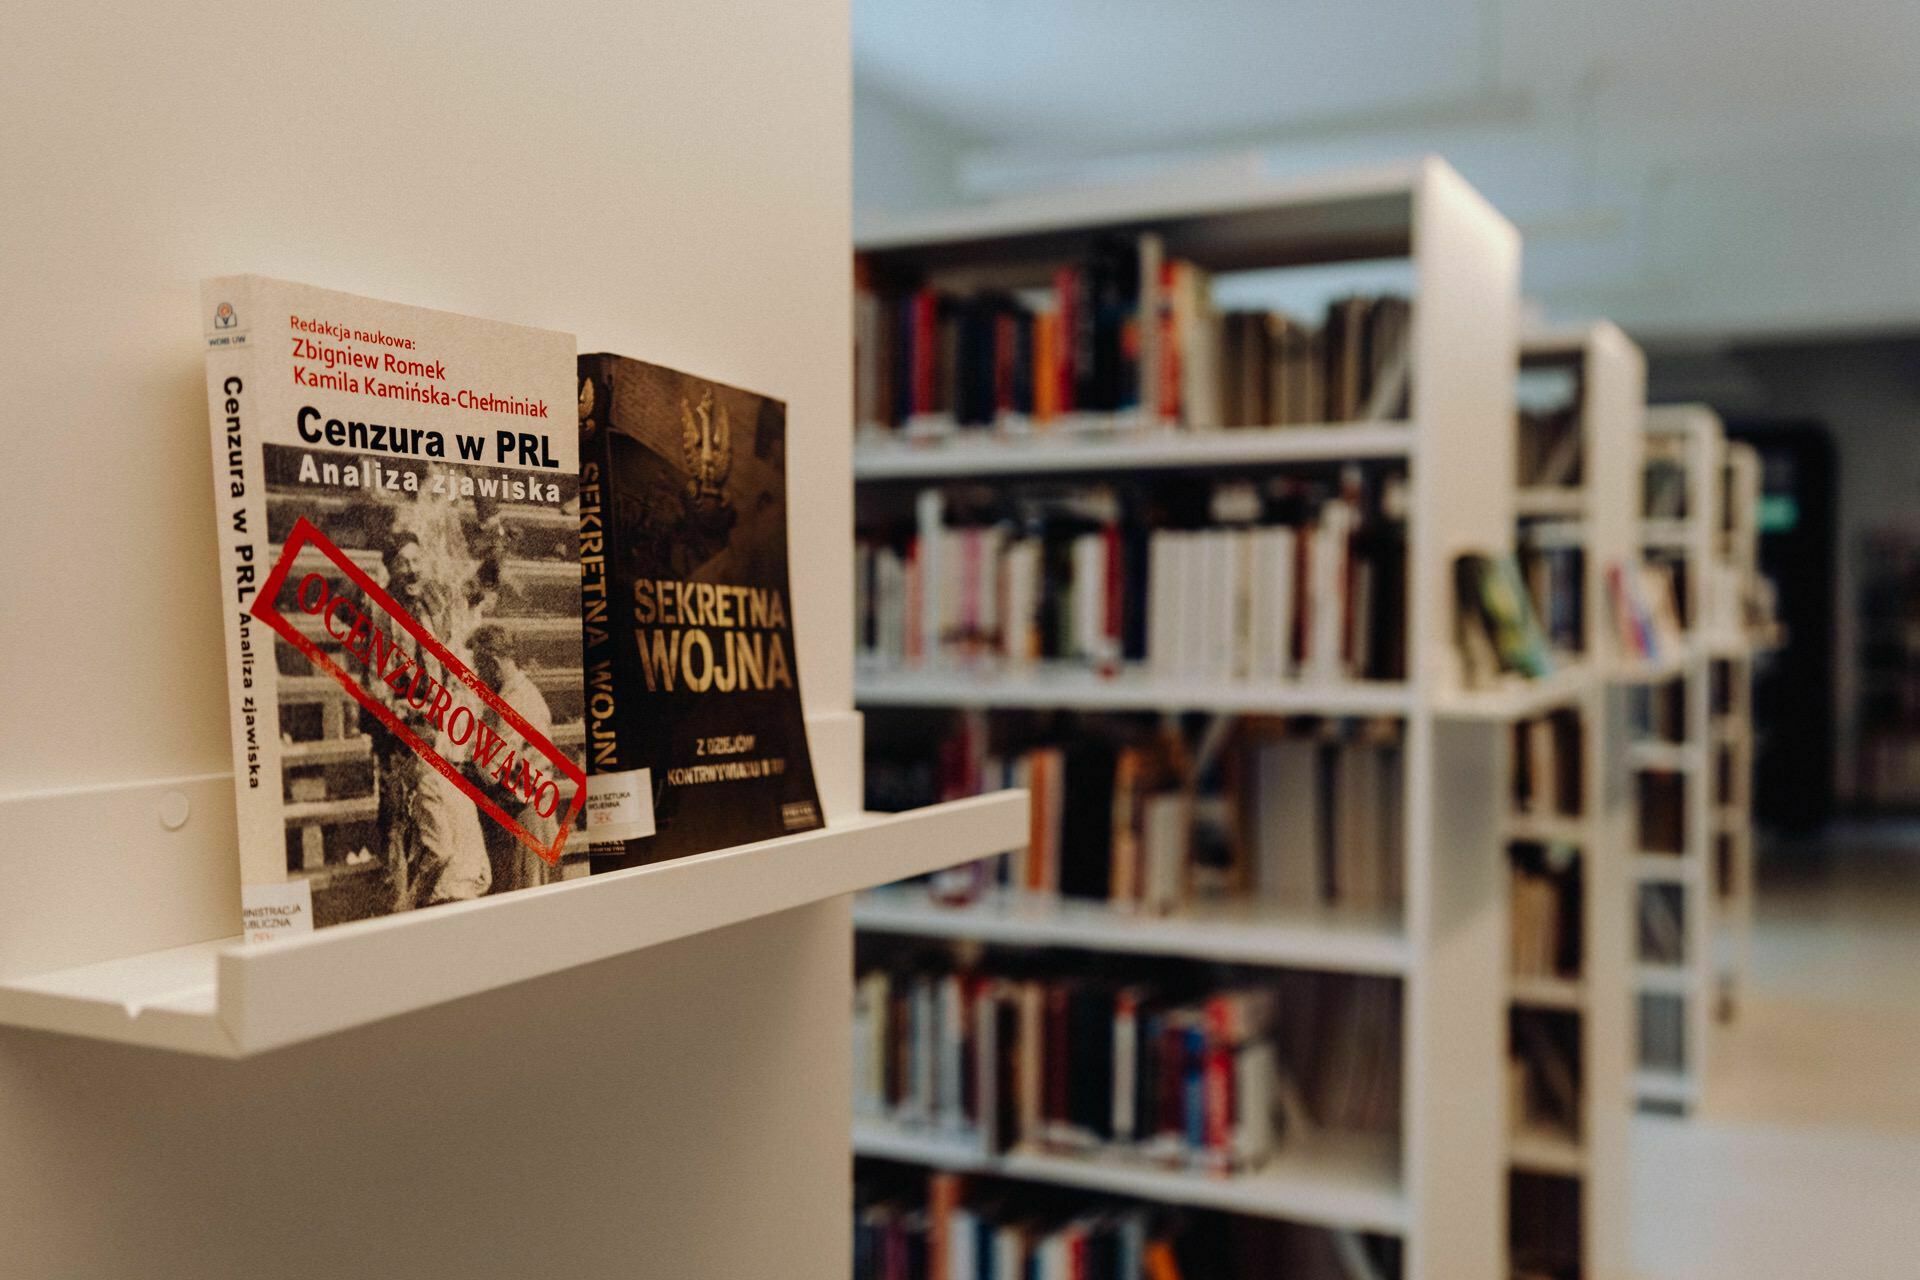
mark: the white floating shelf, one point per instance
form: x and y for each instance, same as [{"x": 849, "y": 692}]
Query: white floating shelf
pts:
[
  {"x": 1538, "y": 1149},
  {"x": 1546, "y": 993},
  {"x": 228, "y": 999},
  {"x": 972, "y": 452},
  {"x": 1344, "y": 942},
  {"x": 1134, "y": 688},
  {"x": 1334, "y": 1180}
]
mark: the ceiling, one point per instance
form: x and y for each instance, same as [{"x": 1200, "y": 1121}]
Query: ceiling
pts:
[{"x": 1693, "y": 170}]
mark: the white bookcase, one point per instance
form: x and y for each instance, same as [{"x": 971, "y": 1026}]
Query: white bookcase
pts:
[
  {"x": 1741, "y": 644},
  {"x": 1687, "y": 994},
  {"x": 1597, "y": 515},
  {"x": 1441, "y": 1187}
]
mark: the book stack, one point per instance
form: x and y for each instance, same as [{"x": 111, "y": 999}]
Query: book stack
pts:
[
  {"x": 1286, "y": 580},
  {"x": 1546, "y": 905},
  {"x": 1662, "y": 811},
  {"x": 1122, "y": 336},
  {"x": 1547, "y": 765},
  {"x": 1555, "y": 574},
  {"x": 1322, "y": 814},
  {"x": 1543, "y": 1066},
  {"x": 1647, "y": 606},
  {"x": 940, "y": 1236},
  {"x": 1663, "y": 1032},
  {"x": 1155, "y": 1072},
  {"x": 1298, "y": 814},
  {"x": 909, "y": 1225},
  {"x": 1495, "y": 626}
]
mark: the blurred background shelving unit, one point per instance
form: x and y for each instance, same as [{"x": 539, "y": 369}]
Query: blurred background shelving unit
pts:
[
  {"x": 1679, "y": 727},
  {"x": 1426, "y": 1197},
  {"x": 1581, "y": 411}
]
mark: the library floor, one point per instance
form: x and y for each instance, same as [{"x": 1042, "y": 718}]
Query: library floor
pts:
[{"x": 1805, "y": 1160}]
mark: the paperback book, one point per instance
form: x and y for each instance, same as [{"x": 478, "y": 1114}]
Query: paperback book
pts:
[
  {"x": 399, "y": 558},
  {"x": 693, "y": 694}
]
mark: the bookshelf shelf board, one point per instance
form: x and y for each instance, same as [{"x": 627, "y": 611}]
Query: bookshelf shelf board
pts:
[
  {"x": 1237, "y": 220},
  {"x": 1664, "y": 979},
  {"x": 1546, "y": 993},
  {"x": 1071, "y": 686},
  {"x": 1659, "y": 670},
  {"x": 1516, "y": 699},
  {"x": 1539, "y": 1149},
  {"x": 1726, "y": 642},
  {"x": 1665, "y": 1087},
  {"x": 1666, "y": 533},
  {"x": 1663, "y": 868},
  {"x": 1550, "y": 502},
  {"x": 1539, "y": 828},
  {"x": 1664, "y": 757},
  {"x": 226, "y": 999},
  {"x": 1350, "y": 1181},
  {"x": 1326, "y": 940},
  {"x": 1059, "y": 450}
]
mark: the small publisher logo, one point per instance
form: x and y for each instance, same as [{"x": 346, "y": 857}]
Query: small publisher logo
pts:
[{"x": 223, "y": 316}]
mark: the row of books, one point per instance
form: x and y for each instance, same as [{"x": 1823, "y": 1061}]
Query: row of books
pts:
[
  {"x": 1663, "y": 1032},
  {"x": 1124, "y": 331},
  {"x": 1556, "y": 585},
  {"x": 1301, "y": 814},
  {"x": 1662, "y": 811},
  {"x": 1293, "y": 580},
  {"x": 1648, "y": 608},
  {"x": 1545, "y": 897},
  {"x": 1543, "y": 1072},
  {"x": 1550, "y": 443},
  {"x": 1662, "y": 934},
  {"x": 1495, "y": 627},
  {"x": 1547, "y": 763},
  {"x": 1161, "y": 1072},
  {"x": 911, "y": 1224},
  {"x": 1004, "y": 1237}
]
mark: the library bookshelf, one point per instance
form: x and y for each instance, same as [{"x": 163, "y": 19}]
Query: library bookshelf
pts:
[
  {"x": 1581, "y": 1005},
  {"x": 1438, "y": 1184},
  {"x": 1693, "y": 897}
]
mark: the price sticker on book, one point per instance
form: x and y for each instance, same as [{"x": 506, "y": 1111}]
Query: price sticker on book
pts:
[{"x": 620, "y": 805}]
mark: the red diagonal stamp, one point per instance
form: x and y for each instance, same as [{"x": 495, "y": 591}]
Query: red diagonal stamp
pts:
[{"x": 380, "y": 655}]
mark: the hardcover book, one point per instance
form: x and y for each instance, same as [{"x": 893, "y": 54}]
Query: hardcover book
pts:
[
  {"x": 693, "y": 695},
  {"x": 398, "y": 521}
]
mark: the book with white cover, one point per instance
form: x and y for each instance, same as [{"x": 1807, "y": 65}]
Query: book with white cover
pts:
[
  {"x": 397, "y": 493},
  {"x": 1286, "y": 820}
]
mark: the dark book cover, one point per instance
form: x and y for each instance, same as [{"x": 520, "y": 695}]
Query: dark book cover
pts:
[
  {"x": 1086, "y": 834},
  {"x": 691, "y": 673}
]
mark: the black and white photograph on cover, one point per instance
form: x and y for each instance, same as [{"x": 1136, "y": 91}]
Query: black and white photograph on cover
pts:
[{"x": 371, "y": 825}]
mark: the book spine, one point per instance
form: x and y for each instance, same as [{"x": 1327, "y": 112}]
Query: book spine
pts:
[{"x": 228, "y": 307}]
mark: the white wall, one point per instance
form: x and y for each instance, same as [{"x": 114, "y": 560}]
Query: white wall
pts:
[
  {"x": 668, "y": 180},
  {"x": 901, "y": 160},
  {"x": 665, "y": 180}
]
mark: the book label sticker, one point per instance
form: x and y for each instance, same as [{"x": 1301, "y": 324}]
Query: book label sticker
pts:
[
  {"x": 276, "y": 910},
  {"x": 620, "y": 805}
]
